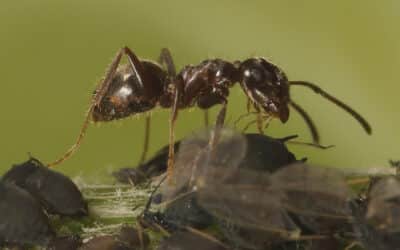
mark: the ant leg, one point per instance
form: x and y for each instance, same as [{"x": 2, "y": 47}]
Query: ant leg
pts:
[
  {"x": 339, "y": 103},
  {"x": 171, "y": 151},
  {"x": 307, "y": 119},
  {"x": 99, "y": 94},
  {"x": 165, "y": 59},
  {"x": 248, "y": 126},
  {"x": 146, "y": 138},
  {"x": 259, "y": 120},
  {"x": 235, "y": 123}
]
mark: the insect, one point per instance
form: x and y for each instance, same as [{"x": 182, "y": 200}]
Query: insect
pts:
[
  {"x": 56, "y": 192},
  {"x": 256, "y": 208},
  {"x": 377, "y": 216},
  {"x": 22, "y": 219},
  {"x": 141, "y": 85},
  {"x": 264, "y": 153}
]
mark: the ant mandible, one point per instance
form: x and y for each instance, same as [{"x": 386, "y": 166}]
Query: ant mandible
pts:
[{"x": 141, "y": 85}]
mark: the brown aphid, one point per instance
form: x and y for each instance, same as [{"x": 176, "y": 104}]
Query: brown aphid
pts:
[{"x": 141, "y": 85}]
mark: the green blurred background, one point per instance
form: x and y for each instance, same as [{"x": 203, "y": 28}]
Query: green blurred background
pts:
[{"x": 52, "y": 54}]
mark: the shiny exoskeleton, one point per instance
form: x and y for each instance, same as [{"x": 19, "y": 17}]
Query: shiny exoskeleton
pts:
[
  {"x": 142, "y": 85},
  {"x": 204, "y": 85}
]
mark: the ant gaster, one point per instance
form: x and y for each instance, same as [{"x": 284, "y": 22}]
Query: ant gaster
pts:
[{"x": 142, "y": 85}]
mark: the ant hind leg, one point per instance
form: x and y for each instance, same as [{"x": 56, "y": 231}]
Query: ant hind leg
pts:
[{"x": 100, "y": 91}]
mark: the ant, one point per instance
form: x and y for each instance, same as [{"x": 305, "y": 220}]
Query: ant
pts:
[{"x": 141, "y": 85}]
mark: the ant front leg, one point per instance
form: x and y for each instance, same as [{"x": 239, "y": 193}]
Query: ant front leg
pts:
[{"x": 259, "y": 120}]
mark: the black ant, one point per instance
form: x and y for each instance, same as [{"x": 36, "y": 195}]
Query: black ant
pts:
[{"x": 141, "y": 85}]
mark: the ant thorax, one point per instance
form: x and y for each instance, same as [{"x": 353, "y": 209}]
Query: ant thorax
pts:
[{"x": 207, "y": 83}]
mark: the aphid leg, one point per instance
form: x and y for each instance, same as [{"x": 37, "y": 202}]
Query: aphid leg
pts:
[
  {"x": 99, "y": 94},
  {"x": 289, "y": 139},
  {"x": 316, "y": 145},
  {"x": 307, "y": 119},
  {"x": 171, "y": 151},
  {"x": 206, "y": 118},
  {"x": 205, "y": 236},
  {"x": 339, "y": 103},
  {"x": 146, "y": 138}
]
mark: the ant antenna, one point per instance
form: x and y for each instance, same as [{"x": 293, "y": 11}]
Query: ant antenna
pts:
[
  {"x": 307, "y": 119},
  {"x": 339, "y": 103}
]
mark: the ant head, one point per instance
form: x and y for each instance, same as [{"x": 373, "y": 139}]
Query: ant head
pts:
[
  {"x": 267, "y": 86},
  {"x": 124, "y": 97}
]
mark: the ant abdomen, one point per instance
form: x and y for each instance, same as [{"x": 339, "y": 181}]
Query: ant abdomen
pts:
[{"x": 126, "y": 94}]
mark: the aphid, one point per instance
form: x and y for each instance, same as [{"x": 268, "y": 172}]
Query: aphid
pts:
[
  {"x": 22, "y": 220},
  {"x": 384, "y": 205},
  {"x": 70, "y": 242},
  {"x": 377, "y": 217},
  {"x": 257, "y": 208},
  {"x": 264, "y": 153},
  {"x": 141, "y": 85},
  {"x": 56, "y": 192},
  {"x": 154, "y": 166}
]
